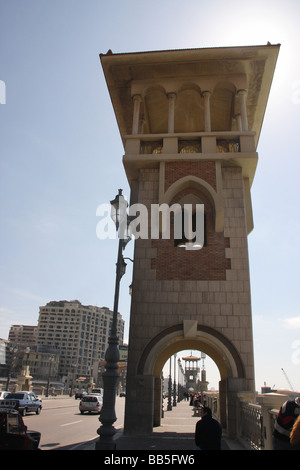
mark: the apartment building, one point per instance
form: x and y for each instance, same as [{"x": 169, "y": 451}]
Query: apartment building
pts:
[
  {"x": 23, "y": 334},
  {"x": 79, "y": 332}
]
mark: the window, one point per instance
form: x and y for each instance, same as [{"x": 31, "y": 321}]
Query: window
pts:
[{"x": 181, "y": 242}]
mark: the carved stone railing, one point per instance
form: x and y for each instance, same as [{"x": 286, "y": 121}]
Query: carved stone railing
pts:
[
  {"x": 256, "y": 421},
  {"x": 195, "y": 142},
  {"x": 251, "y": 425}
]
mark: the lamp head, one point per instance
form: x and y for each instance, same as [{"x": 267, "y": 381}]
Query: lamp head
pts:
[{"x": 118, "y": 209}]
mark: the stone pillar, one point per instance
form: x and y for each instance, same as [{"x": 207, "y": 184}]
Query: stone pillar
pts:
[
  {"x": 142, "y": 124},
  {"x": 157, "y": 402},
  {"x": 139, "y": 405},
  {"x": 233, "y": 386},
  {"x": 24, "y": 380},
  {"x": 242, "y": 97},
  {"x": 171, "y": 116},
  {"x": 136, "y": 113},
  {"x": 207, "y": 120},
  {"x": 239, "y": 122},
  {"x": 269, "y": 401}
]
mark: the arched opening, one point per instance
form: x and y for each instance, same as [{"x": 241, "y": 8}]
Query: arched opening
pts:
[
  {"x": 188, "y": 373},
  {"x": 189, "y": 220},
  {"x": 222, "y": 105},
  {"x": 191, "y": 336},
  {"x": 189, "y": 116},
  {"x": 156, "y": 110},
  {"x": 194, "y": 183}
]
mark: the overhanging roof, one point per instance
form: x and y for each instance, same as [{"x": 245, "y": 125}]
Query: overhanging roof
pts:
[{"x": 256, "y": 63}]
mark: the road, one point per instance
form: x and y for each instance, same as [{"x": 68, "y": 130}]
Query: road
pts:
[{"x": 61, "y": 424}]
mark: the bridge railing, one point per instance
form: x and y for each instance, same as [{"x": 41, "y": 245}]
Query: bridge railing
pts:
[
  {"x": 254, "y": 421},
  {"x": 251, "y": 427}
]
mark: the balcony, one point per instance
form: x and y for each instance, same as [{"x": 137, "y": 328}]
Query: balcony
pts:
[{"x": 148, "y": 150}]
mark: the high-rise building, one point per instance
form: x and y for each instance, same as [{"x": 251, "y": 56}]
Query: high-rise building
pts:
[
  {"x": 23, "y": 334},
  {"x": 79, "y": 332}
]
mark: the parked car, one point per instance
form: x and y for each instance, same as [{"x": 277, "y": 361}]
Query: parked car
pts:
[
  {"x": 123, "y": 394},
  {"x": 24, "y": 402},
  {"x": 3, "y": 394},
  {"x": 14, "y": 434},
  {"x": 91, "y": 403},
  {"x": 80, "y": 394}
]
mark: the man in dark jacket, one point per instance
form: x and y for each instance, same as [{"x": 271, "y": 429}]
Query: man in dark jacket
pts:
[
  {"x": 208, "y": 431},
  {"x": 286, "y": 418}
]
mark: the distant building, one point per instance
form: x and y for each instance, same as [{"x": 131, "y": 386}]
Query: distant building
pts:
[
  {"x": 43, "y": 362},
  {"x": 3, "y": 357},
  {"x": 79, "y": 332},
  {"x": 23, "y": 334}
]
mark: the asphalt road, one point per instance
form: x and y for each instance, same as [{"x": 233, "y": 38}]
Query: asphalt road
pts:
[{"x": 61, "y": 423}]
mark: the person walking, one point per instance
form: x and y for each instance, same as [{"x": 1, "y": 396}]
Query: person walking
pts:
[
  {"x": 284, "y": 423},
  {"x": 208, "y": 431}
]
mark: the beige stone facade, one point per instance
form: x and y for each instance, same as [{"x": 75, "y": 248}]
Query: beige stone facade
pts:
[{"x": 190, "y": 122}]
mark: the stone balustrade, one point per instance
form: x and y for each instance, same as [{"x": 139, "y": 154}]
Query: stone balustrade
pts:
[
  {"x": 194, "y": 142},
  {"x": 255, "y": 421}
]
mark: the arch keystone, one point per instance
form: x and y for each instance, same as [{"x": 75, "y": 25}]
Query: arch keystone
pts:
[{"x": 190, "y": 328}]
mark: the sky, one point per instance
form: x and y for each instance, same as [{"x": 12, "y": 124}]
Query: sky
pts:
[{"x": 61, "y": 157}]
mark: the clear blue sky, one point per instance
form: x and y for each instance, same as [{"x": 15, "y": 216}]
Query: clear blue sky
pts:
[{"x": 61, "y": 156}]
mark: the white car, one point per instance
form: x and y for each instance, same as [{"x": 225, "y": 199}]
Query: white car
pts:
[
  {"x": 91, "y": 403},
  {"x": 3, "y": 394}
]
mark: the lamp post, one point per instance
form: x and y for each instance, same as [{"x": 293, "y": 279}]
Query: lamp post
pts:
[
  {"x": 110, "y": 376},
  {"x": 169, "y": 407},
  {"x": 10, "y": 353},
  {"x": 174, "y": 386},
  {"x": 180, "y": 380},
  {"x": 51, "y": 360}
]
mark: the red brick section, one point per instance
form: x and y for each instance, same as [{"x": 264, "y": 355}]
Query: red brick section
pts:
[
  {"x": 176, "y": 170},
  {"x": 209, "y": 263}
]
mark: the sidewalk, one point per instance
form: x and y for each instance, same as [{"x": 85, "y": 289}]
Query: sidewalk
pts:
[{"x": 175, "y": 433}]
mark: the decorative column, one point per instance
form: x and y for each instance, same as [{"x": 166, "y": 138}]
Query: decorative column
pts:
[
  {"x": 171, "y": 116},
  {"x": 136, "y": 113},
  {"x": 242, "y": 97},
  {"x": 142, "y": 125},
  {"x": 239, "y": 122},
  {"x": 207, "y": 120}
]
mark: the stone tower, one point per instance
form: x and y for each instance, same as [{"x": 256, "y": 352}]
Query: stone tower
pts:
[
  {"x": 190, "y": 121},
  {"x": 191, "y": 372}
]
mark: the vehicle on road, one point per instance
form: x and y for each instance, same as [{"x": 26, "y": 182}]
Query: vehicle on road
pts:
[
  {"x": 24, "y": 402},
  {"x": 80, "y": 394},
  {"x": 14, "y": 434},
  {"x": 3, "y": 394},
  {"x": 91, "y": 403}
]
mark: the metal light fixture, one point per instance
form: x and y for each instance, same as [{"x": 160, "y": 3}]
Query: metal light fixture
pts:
[{"x": 110, "y": 376}]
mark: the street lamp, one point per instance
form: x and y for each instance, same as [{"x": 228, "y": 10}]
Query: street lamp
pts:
[
  {"x": 174, "y": 386},
  {"x": 10, "y": 352},
  {"x": 110, "y": 376},
  {"x": 50, "y": 360},
  {"x": 169, "y": 407}
]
